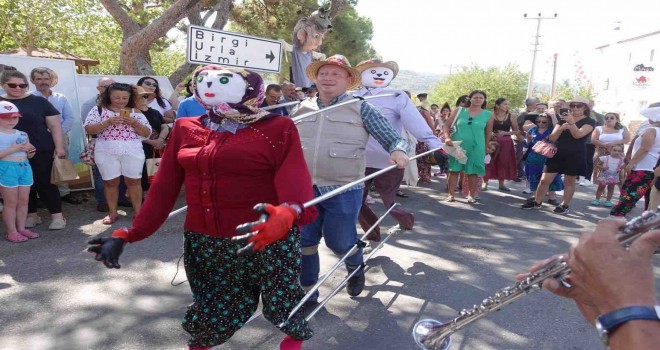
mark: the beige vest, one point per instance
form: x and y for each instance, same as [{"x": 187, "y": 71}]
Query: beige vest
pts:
[{"x": 333, "y": 142}]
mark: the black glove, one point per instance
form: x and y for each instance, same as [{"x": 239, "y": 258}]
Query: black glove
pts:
[{"x": 107, "y": 250}]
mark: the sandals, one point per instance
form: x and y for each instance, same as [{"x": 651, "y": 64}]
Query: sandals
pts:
[
  {"x": 29, "y": 234},
  {"x": 450, "y": 199},
  {"x": 471, "y": 200},
  {"x": 401, "y": 194},
  {"x": 110, "y": 219},
  {"x": 15, "y": 237}
]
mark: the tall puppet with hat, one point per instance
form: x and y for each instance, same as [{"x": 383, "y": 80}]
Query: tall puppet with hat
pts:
[
  {"x": 234, "y": 158},
  {"x": 399, "y": 109}
]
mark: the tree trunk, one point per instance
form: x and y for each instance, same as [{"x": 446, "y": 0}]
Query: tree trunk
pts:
[
  {"x": 134, "y": 56},
  {"x": 223, "y": 10}
]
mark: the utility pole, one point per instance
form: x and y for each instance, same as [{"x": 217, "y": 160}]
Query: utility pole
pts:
[
  {"x": 536, "y": 49},
  {"x": 554, "y": 76}
]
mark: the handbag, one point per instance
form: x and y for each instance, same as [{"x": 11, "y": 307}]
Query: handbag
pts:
[
  {"x": 545, "y": 148},
  {"x": 452, "y": 128},
  {"x": 152, "y": 165},
  {"x": 87, "y": 155},
  {"x": 63, "y": 171}
]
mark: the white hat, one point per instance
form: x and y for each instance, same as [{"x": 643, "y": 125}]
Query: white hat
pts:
[
  {"x": 8, "y": 110},
  {"x": 652, "y": 113}
]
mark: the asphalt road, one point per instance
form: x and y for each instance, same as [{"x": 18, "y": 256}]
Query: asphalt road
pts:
[{"x": 54, "y": 296}]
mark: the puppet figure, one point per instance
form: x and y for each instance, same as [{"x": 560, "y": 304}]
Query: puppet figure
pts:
[
  {"x": 376, "y": 76},
  {"x": 232, "y": 158},
  {"x": 307, "y": 36}
]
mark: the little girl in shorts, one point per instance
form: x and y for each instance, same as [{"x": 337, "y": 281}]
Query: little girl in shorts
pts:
[
  {"x": 15, "y": 174},
  {"x": 610, "y": 168}
]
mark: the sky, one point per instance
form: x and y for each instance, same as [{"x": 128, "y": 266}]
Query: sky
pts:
[{"x": 437, "y": 36}]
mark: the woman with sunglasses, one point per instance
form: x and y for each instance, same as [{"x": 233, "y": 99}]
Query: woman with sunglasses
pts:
[
  {"x": 120, "y": 129},
  {"x": 157, "y": 101},
  {"x": 41, "y": 121},
  {"x": 570, "y": 137},
  {"x": 534, "y": 162},
  {"x": 155, "y": 144},
  {"x": 473, "y": 127},
  {"x": 610, "y": 134}
]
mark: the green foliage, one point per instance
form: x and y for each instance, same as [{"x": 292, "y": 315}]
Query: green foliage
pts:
[
  {"x": 80, "y": 27},
  {"x": 565, "y": 90},
  {"x": 508, "y": 82},
  {"x": 350, "y": 34},
  {"x": 165, "y": 62}
]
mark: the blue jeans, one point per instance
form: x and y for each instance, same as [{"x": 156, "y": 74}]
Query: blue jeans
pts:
[
  {"x": 336, "y": 223},
  {"x": 98, "y": 187}
]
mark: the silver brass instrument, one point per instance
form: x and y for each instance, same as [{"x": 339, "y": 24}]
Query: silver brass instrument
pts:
[{"x": 434, "y": 335}]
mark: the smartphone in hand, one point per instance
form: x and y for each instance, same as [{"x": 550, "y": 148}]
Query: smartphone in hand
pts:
[
  {"x": 125, "y": 113},
  {"x": 562, "y": 113}
]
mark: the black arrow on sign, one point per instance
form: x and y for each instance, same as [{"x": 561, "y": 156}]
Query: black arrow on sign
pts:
[{"x": 271, "y": 56}]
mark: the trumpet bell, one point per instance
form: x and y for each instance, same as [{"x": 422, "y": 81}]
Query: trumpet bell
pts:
[{"x": 426, "y": 334}]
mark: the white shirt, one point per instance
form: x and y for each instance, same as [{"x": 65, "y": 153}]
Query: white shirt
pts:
[
  {"x": 154, "y": 104},
  {"x": 402, "y": 114},
  {"x": 117, "y": 139},
  {"x": 651, "y": 158}
]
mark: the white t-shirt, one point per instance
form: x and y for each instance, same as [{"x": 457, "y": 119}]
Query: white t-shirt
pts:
[
  {"x": 651, "y": 158},
  {"x": 613, "y": 164},
  {"x": 117, "y": 139},
  {"x": 154, "y": 104}
]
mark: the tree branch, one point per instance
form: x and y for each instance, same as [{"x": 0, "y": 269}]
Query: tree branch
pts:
[
  {"x": 128, "y": 26},
  {"x": 336, "y": 7}
]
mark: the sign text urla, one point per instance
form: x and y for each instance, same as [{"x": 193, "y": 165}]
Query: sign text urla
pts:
[{"x": 211, "y": 46}]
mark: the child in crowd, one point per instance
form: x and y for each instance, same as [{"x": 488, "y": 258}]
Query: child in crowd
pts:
[
  {"x": 16, "y": 174},
  {"x": 610, "y": 170},
  {"x": 492, "y": 149}
]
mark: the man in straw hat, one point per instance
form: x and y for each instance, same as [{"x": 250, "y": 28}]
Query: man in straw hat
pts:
[
  {"x": 376, "y": 76},
  {"x": 44, "y": 79},
  {"x": 334, "y": 144}
]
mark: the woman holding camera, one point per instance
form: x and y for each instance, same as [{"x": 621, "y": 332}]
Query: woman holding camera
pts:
[
  {"x": 120, "y": 129},
  {"x": 570, "y": 137}
]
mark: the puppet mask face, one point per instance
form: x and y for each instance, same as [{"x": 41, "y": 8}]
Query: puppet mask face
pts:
[
  {"x": 216, "y": 87},
  {"x": 377, "y": 77}
]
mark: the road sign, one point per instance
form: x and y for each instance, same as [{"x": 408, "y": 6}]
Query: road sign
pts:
[{"x": 211, "y": 46}]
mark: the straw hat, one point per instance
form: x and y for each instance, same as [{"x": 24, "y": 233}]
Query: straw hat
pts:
[
  {"x": 339, "y": 61},
  {"x": 579, "y": 100},
  {"x": 376, "y": 62}
]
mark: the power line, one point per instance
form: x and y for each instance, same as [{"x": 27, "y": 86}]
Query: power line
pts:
[{"x": 539, "y": 18}]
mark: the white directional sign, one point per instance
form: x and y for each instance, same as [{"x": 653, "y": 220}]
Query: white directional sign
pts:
[{"x": 211, "y": 46}]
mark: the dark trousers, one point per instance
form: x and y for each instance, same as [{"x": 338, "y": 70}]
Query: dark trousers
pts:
[
  {"x": 387, "y": 185},
  {"x": 591, "y": 149},
  {"x": 42, "y": 165}
]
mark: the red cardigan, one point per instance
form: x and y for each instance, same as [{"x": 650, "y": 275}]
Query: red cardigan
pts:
[{"x": 225, "y": 175}]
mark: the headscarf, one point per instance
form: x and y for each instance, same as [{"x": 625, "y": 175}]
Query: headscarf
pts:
[{"x": 245, "y": 112}]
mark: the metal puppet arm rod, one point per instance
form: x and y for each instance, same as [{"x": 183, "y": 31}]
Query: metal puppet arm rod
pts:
[{"x": 298, "y": 118}]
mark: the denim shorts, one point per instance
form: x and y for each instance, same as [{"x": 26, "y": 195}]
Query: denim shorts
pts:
[{"x": 14, "y": 174}]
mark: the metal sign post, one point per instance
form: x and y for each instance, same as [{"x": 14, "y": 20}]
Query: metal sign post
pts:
[{"x": 212, "y": 46}]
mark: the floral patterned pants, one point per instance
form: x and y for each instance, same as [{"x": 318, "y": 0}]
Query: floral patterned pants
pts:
[
  {"x": 226, "y": 287},
  {"x": 634, "y": 187}
]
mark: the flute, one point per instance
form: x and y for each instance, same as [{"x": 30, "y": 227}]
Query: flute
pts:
[{"x": 431, "y": 334}]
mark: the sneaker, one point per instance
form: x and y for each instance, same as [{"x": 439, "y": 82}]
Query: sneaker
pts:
[
  {"x": 505, "y": 189},
  {"x": 561, "y": 209},
  {"x": 595, "y": 202},
  {"x": 32, "y": 221},
  {"x": 370, "y": 200},
  {"x": 355, "y": 284},
  {"x": 57, "y": 224},
  {"x": 552, "y": 202},
  {"x": 531, "y": 205},
  {"x": 608, "y": 204},
  {"x": 527, "y": 191},
  {"x": 585, "y": 183}
]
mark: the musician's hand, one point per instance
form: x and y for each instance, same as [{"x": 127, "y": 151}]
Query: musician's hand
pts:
[
  {"x": 614, "y": 277},
  {"x": 400, "y": 159}
]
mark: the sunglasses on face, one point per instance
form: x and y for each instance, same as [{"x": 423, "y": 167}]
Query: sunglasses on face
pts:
[
  {"x": 576, "y": 105},
  {"x": 148, "y": 83},
  {"x": 13, "y": 86}
]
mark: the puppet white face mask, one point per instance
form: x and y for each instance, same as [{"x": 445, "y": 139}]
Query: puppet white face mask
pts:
[
  {"x": 377, "y": 77},
  {"x": 216, "y": 87}
]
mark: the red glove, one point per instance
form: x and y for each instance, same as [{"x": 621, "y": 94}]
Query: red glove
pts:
[{"x": 278, "y": 221}]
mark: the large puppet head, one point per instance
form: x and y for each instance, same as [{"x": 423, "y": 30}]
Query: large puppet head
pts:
[
  {"x": 234, "y": 94},
  {"x": 309, "y": 31},
  {"x": 377, "y": 74}
]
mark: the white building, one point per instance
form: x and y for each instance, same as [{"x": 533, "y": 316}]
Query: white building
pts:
[{"x": 625, "y": 77}]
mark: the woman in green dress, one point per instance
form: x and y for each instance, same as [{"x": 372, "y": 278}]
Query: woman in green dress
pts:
[{"x": 474, "y": 127}]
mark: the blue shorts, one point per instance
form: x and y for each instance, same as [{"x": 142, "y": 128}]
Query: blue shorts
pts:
[{"x": 14, "y": 174}]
